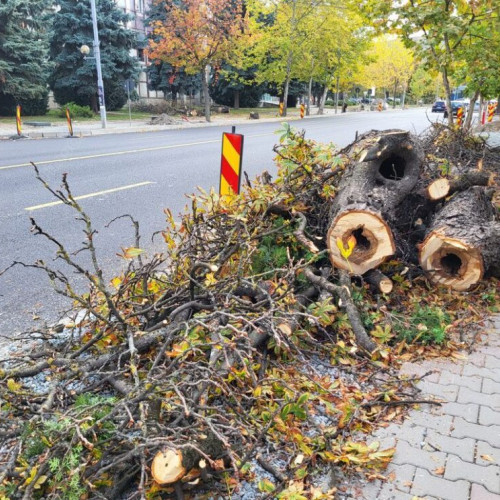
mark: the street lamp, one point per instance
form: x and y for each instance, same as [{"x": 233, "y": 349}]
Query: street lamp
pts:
[{"x": 85, "y": 50}]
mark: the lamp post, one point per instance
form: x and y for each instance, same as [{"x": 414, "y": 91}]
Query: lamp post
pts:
[{"x": 97, "y": 55}]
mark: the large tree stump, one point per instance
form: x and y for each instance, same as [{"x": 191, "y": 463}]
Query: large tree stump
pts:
[
  {"x": 388, "y": 168},
  {"x": 462, "y": 243}
]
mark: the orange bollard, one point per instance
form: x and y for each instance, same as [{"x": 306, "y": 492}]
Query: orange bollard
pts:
[
  {"x": 302, "y": 110},
  {"x": 18, "y": 120},
  {"x": 281, "y": 108},
  {"x": 460, "y": 116}
]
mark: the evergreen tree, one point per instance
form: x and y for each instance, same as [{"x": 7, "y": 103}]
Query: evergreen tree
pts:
[
  {"x": 74, "y": 78},
  {"x": 161, "y": 75},
  {"x": 23, "y": 56}
]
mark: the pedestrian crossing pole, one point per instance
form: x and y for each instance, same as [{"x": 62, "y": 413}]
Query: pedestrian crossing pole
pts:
[{"x": 18, "y": 120}]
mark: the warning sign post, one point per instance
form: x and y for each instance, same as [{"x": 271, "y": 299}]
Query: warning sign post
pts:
[{"x": 230, "y": 170}]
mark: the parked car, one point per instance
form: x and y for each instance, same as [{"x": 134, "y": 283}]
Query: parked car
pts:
[
  {"x": 454, "y": 108},
  {"x": 439, "y": 107}
]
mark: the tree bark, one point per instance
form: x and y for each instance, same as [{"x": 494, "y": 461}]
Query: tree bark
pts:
[
  {"x": 461, "y": 245},
  {"x": 447, "y": 89},
  {"x": 322, "y": 100},
  {"x": 386, "y": 171},
  {"x": 309, "y": 96},
  {"x": 206, "y": 94},
  {"x": 470, "y": 112},
  {"x": 236, "y": 99}
]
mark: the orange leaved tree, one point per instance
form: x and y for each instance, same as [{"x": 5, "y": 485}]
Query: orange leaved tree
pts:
[{"x": 198, "y": 35}]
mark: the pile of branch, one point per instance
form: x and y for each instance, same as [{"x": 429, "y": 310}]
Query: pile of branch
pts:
[{"x": 193, "y": 363}]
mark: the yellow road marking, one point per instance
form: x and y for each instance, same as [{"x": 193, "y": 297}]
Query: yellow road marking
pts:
[
  {"x": 118, "y": 153},
  {"x": 90, "y": 195}
]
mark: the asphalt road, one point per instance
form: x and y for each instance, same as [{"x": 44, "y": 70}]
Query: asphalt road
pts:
[{"x": 138, "y": 174}]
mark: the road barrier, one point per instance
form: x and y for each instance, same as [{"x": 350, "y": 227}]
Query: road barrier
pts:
[
  {"x": 18, "y": 121},
  {"x": 70, "y": 123},
  {"x": 231, "y": 160},
  {"x": 302, "y": 110},
  {"x": 491, "y": 112}
]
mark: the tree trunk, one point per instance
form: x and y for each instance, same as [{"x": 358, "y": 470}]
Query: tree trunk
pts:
[
  {"x": 309, "y": 96},
  {"x": 365, "y": 206},
  {"x": 322, "y": 100},
  {"x": 404, "y": 97},
  {"x": 470, "y": 112},
  {"x": 337, "y": 94},
  {"x": 236, "y": 102},
  {"x": 461, "y": 245},
  {"x": 447, "y": 89},
  {"x": 394, "y": 94},
  {"x": 206, "y": 94},
  {"x": 287, "y": 82}
]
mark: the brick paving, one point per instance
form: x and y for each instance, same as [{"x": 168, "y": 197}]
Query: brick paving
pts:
[{"x": 448, "y": 452}]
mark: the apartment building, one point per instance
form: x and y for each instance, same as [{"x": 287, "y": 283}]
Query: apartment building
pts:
[{"x": 138, "y": 9}]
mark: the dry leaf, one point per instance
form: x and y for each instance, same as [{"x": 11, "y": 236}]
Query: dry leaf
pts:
[
  {"x": 488, "y": 458},
  {"x": 439, "y": 471}
]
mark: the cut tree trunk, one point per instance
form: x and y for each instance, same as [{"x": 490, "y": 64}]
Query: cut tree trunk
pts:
[
  {"x": 462, "y": 243},
  {"x": 365, "y": 207}
]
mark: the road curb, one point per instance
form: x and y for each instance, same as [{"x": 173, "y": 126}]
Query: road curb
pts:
[{"x": 145, "y": 128}]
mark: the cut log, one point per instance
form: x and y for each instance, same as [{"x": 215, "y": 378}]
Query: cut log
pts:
[
  {"x": 170, "y": 466},
  {"x": 167, "y": 468},
  {"x": 441, "y": 188},
  {"x": 462, "y": 243},
  {"x": 378, "y": 281},
  {"x": 388, "y": 168}
]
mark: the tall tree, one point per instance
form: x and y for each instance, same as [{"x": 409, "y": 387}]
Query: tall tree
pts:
[
  {"x": 436, "y": 29},
  {"x": 280, "y": 29},
  {"x": 334, "y": 49},
  {"x": 198, "y": 35},
  {"x": 162, "y": 75},
  {"x": 74, "y": 77},
  {"x": 23, "y": 56},
  {"x": 391, "y": 66}
]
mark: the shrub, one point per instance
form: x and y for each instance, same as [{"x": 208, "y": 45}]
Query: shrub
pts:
[
  {"x": 76, "y": 111},
  {"x": 426, "y": 325},
  {"x": 30, "y": 107},
  {"x": 115, "y": 95}
]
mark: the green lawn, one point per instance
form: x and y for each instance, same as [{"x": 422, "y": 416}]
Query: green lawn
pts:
[{"x": 53, "y": 115}]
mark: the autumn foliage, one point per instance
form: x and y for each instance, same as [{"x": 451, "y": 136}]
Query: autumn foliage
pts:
[{"x": 197, "y": 35}]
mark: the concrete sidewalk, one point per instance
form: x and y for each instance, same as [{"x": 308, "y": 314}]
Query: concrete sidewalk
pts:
[{"x": 449, "y": 452}]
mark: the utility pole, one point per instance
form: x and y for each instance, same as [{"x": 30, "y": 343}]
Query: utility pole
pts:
[{"x": 97, "y": 55}]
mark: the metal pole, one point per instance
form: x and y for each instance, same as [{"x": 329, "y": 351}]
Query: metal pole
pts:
[
  {"x": 97, "y": 54},
  {"x": 129, "y": 108}
]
